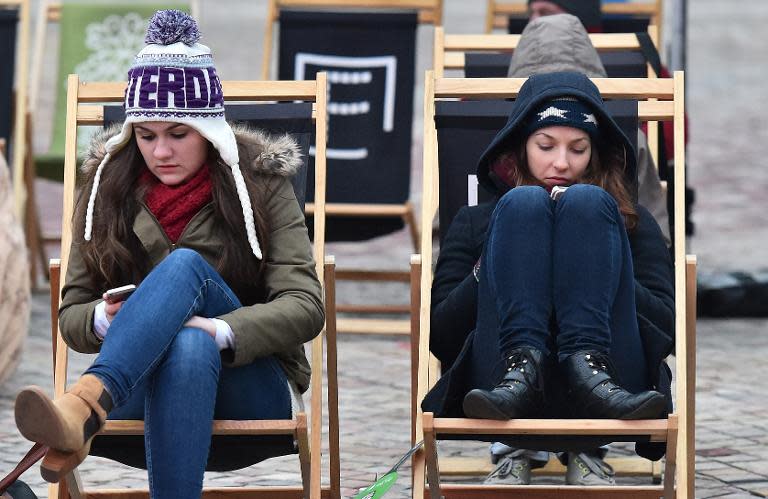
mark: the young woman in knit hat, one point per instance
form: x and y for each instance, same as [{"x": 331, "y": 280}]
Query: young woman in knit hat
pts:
[
  {"x": 203, "y": 219},
  {"x": 556, "y": 299}
]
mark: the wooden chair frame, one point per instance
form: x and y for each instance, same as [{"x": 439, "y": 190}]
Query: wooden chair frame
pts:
[
  {"x": 498, "y": 11},
  {"x": 85, "y": 107},
  {"x": 659, "y": 100},
  {"x": 430, "y": 12},
  {"x": 450, "y": 54}
]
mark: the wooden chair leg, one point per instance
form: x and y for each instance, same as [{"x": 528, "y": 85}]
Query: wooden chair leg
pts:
[
  {"x": 332, "y": 374},
  {"x": 410, "y": 220},
  {"x": 302, "y": 440},
  {"x": 415, "y": 311},
  {"x": 671, "y": 458},
  {"x": 32, "y": 229},
  {"x": 54, "y": 272},
  {"x": 430, "y": 447},
  {"x": 58, "y": 490}
]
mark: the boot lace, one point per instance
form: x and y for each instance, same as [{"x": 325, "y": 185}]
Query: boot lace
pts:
[
  {"x": 602, "y": 362},
  {"x": 522, "y": 362}
]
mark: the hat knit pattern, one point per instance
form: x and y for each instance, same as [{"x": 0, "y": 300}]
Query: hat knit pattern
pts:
[
  {"x": 563, "y": 111},
  {"x": 173, "y": 79}
]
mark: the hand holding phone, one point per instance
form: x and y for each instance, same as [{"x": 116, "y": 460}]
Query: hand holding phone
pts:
[{"x": 119, "y": 294}]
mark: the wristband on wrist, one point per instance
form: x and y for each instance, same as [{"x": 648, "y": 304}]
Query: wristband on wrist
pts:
[{"x": 476, "y": 271}]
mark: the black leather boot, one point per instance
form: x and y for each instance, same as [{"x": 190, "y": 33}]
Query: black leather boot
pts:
[
  {"x": 594, "y": 394},
  {"x": 518, "y": 395}
]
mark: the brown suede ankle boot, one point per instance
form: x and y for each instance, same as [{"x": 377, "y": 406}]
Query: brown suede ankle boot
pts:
[{"x": 67, "y": 423}]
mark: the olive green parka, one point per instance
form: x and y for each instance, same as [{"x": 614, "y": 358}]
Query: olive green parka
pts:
[{"x": 291, "y": 312}]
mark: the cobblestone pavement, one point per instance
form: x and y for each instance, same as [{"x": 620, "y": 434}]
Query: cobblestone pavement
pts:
[{"x": 728, "y": 128}]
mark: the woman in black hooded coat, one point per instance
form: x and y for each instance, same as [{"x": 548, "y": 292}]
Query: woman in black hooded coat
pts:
[{"x": 545, "y": 308}]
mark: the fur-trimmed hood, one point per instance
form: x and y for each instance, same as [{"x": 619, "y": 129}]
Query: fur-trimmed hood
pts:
[{"x": 260, "y": 151}]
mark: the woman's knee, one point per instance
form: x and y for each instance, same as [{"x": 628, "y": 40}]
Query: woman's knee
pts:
[
  {"x": 525, "y": 200},
  {"x": 184, "y": 257},
  {"x": 193, "y": 350},
  {"x": 586, "y": 199}
]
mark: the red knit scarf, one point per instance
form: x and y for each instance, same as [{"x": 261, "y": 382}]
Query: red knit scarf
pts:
[{"x": 174, "y": 206}]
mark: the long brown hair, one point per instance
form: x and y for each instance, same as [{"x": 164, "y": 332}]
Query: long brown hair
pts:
[
  {"x": 115, "y": 256},
  {"x": 605, "y": 169}
]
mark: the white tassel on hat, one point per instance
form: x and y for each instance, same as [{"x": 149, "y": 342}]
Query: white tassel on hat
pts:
[
  {"x": 92, "y": 198},
  {"x": 250, "y": 226}
]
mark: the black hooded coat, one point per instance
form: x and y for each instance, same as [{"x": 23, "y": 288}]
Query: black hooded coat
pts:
[{"x": 469, "y": 360}]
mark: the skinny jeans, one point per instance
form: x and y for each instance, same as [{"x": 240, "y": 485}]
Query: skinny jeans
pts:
[
  {"x": 171, "y": 376},
  {"x": 560, "y": 278}
]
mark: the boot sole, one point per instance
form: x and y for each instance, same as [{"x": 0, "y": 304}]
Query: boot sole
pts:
[
  {"x": 650, "y": 409},
  {"x": 477, "y": 405},
  {"x": 38, "y": 420},
  {"x": 57, "y": 464}
]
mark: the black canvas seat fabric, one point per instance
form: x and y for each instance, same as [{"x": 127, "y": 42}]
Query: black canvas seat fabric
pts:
[
  {"x": 619, "y": 64},
  {"x": 610, "y": 24},
  {"x": 230, "y": 452},
  {"x": 9, "y": 19},
  {"x": 369, "y": 57}
]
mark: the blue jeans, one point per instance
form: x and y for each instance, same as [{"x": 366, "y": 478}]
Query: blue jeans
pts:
[
  {"x": 564, "y": 269},
  {"x": 171, "y": 376}
]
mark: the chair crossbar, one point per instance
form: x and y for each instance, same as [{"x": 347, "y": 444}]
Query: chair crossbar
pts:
[
  {"x": 246, "y": 91},
  {"x": 610, "y": 88},
  {"x": 508, "y": 43},
  {"x": 458, "y": 491},
  {"x": 215, "y": 493},
  {"x": 656, "y": 429},
  {"x": 220, "y": 427}
]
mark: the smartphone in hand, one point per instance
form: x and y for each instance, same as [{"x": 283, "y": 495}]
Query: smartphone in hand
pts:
[{"x": 119, "y": 294}]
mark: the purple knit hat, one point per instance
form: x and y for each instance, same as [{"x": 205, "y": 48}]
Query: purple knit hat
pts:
[{"x": 173, "y": 79}]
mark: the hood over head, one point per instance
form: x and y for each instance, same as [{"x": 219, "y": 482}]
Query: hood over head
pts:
[
  {"x": 539, "y": 89},
  {"x": 553, "y": 44}
]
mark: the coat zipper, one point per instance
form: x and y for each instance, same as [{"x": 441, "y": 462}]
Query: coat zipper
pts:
[{"x": 171, "y": 245}]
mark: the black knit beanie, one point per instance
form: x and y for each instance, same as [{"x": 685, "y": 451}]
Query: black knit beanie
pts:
[
  {"x": 563, "y": 111},
  {"x": 588, "y": 11}
]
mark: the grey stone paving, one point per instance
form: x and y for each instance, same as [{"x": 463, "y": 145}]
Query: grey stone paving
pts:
[{"x": 728, "y": 130}]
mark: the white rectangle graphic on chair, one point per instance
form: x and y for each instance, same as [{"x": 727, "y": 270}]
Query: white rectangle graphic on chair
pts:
[{"x": 354, "y": 72}]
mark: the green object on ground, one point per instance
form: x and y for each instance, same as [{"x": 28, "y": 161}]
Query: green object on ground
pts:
[
  {"x": 383, "y": 484},
  {"x": 379, "y": 487}
]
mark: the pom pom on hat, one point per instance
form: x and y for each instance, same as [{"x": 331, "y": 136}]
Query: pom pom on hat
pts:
[{"x": 171, "y": 26}]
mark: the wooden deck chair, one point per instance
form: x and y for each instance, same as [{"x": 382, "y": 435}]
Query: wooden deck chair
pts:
[
  {"x": 677, "y": 431},
  {"x": 624, "y": 17},
  {"x": 489, "y": 56},
  {"x": 85, "y": 107},
  {"x": 464, "y": 130},
  {"x": 370, "y": 111},
  {"x": 113, "y": 26},
  {"x": 14, "y": 42}
]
